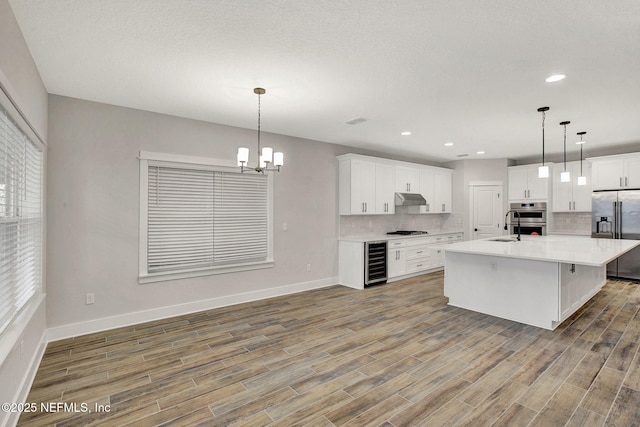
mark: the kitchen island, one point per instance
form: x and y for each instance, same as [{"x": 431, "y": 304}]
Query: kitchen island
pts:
[{"x": 539, "y": 281}]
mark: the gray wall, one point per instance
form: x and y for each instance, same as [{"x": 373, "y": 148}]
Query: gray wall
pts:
[
  {"x": 468, "y": 171},
  {"x": 93, "y": 209},
  {"x": 21, "y": 345}
]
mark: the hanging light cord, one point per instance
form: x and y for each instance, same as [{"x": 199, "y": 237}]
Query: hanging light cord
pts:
[
  {"x": 543, "y": 137},
  {"x": 565, "y": 148},
  {"x": 259, "y": 154}
]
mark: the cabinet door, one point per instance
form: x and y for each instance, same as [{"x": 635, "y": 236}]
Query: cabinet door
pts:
[
  {"x": 426, "y": 189},
  {"x": 632, "y": 173},
  {"x": 538, "y": 188},
  {"x": 517, "y": 183},
  {"x": 363, "y": 187},
  {"x": 442, "y": 180},
  {"x": 582, "y": 193},
  {"x": 396, "y": 262},
  {"x": 407, "y": 179},
  {"x": 437, "y": 257},
  {"x": 385, "y": 196},
  {"x": 607, "y": 174},
  {"x": 562, "y": 200}
]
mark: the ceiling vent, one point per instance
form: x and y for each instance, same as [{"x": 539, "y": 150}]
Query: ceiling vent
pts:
[{"x": 356, "y": 121}]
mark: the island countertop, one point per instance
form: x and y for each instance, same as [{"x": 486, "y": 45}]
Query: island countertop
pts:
[{"x": 555, "y": 248}]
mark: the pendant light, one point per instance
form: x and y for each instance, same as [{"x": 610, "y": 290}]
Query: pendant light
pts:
[
  {"x": 543, "y": 171},
  {"x": 582, "y": 180},
  {"x": 266, "y": 156},
  {"x": 565, "y": 176}
]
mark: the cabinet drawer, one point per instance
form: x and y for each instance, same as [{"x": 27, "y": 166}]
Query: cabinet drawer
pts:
[
  {"x": 414, "y": 252},
  {"x": 418, "y": 265},
  {"x": 396, "y": 244}
]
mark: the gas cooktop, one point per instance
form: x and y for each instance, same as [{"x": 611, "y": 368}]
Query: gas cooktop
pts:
[{"x": 408, "y": 232}]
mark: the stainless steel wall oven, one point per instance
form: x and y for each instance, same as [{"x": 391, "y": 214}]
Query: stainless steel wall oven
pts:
[{"x": 533, "y": 218}]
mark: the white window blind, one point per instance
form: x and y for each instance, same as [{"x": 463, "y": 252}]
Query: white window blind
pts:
[
  {"x": 20, "y": 219},
  {"x": 200, "y": 218}
]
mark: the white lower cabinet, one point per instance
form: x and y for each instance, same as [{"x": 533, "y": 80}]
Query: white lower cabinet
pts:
[
  {"x": 396, "y": 258},
  {"x": 419, "y": 254}
]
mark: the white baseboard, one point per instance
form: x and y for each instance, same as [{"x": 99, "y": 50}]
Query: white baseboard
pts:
[{"x": 97, "y": 325}]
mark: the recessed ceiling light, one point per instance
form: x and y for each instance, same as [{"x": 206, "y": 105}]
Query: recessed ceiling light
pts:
[
  {"x": 555, "y": 78},
  {"x": 479, "y": 152},
  {"x": 448, "y": 144},
  {"x": 405, "y": 133}
]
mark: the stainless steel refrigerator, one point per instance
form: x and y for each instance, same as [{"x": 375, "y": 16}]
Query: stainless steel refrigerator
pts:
[{"x": 616, "y": 215}]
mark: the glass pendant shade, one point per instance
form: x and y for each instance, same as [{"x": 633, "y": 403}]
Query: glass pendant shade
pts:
[
  {"x": 543, "y": 172},
  {"x": 267, "y": 154},
  {"x": 243, "y": 156},
  {"x": 565, "y": 177},
  {"x": 278, "y": 158},
  {"x": 582, "y": 180}
]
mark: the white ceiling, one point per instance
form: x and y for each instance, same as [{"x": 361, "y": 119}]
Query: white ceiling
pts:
[{"x": 467, "y": 71}]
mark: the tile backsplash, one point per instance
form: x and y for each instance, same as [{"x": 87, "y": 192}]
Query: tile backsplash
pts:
[
  {"x": 365, "y": 225},
  {"x": 570, "y": 223}
]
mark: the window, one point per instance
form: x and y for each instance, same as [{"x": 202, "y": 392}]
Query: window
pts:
[
  {"x": 20, "y": 219},
  {"x": 198, "y": 218}
]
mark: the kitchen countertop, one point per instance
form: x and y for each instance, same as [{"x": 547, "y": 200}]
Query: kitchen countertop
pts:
[
  {"x": 377, "y": 237},
  {"x": 564, "y": 249}
]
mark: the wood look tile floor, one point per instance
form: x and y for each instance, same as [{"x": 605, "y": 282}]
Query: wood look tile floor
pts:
[{"x": 391, "y": 355}]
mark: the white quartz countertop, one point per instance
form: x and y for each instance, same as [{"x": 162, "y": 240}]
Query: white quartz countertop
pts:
[
  {"x": 378, "y": 237},
  {"x": 564, "y": 249}
]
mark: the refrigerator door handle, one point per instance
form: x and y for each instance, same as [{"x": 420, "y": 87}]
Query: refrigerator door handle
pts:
[
  {"x": 619, "y": 221},
  {"x": 614, "y": 226}
]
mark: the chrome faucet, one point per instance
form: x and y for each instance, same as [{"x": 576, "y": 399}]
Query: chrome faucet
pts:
[{"x": 505, "y": 221}]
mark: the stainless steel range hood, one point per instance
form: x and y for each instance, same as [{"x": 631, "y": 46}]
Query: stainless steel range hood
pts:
[{"x": 410, "y": 199}]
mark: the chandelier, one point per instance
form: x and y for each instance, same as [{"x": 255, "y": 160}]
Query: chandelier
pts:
[{"x": 266, "y": 156}]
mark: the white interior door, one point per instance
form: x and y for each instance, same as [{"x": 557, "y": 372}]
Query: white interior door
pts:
[{"x": 487, "y": 215}]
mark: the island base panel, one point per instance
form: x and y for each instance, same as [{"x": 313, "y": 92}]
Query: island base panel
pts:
[{"x": 520, "y": 290}]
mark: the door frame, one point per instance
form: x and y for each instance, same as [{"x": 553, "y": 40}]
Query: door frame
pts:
[{"x": 470, "y": 212}]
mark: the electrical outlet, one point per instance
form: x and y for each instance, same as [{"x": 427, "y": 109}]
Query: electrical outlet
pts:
[
  {"x": 285, "y": 226},
  {"x": 494, "y": 266},
  {"x": 308, "y": 267},
  {"x": 90, "y": 298}
]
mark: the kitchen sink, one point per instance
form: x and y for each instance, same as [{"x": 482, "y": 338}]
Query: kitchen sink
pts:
[{"x": 503, "y": 239}]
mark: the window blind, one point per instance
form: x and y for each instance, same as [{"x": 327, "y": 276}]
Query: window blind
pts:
[
  {"x": 202, "y": 218},
  {"x": 20, "y": 219}
]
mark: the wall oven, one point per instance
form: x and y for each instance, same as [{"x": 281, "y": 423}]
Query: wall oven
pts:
[{"x": 533, "y": 218}]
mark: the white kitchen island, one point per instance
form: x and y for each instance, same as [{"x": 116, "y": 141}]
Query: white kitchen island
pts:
[{"x": 539, "y": 281}]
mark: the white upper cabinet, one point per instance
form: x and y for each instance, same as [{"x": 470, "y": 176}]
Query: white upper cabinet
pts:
[
  {"x": 367, "y": 185},
  {"x": 616, "y": 172},
  {"x": 569, "y": 196},
  {"x": 407, "y": 179},
  {"x": 357, "y": 187},
  {"x": 385, "y": 182},
  {"x": 524, "y": 183},
  {"x": 436, "y": 188},
  {"x": 442, "y": 188}
]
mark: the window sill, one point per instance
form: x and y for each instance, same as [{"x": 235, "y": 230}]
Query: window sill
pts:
[{"x": 161, "y": 277}]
